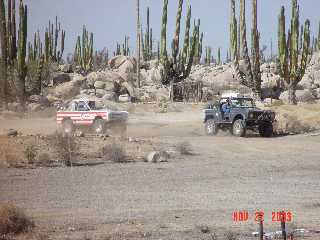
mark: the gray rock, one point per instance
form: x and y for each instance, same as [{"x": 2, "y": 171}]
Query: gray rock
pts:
[
  {"x": 11, "y": 133},
  {"x": 100, "y": 93},
  {"x": 99, "y": 85},
  {"x": 42, "y": 100},
  {"x": 303, "y": 96},
  {"x": 124, "y": 98},
  {"x": 66, "y": 68},
  {"x": 158, "y": 156},
  {"x": 14, "y": 106},
  {"x": 66, "y": 90},
  {"x": 34, "y": 107},
  {"x": 60, "y": 78},
  {"x": 109, "y": 96}
]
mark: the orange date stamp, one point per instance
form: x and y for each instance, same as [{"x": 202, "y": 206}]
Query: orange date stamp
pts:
[{"x": 259, "y": 216}]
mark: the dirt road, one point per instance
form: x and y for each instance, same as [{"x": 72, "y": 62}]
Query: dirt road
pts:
[{"x": 144, "y": 200}]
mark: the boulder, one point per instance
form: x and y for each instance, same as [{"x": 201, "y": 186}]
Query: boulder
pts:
[
  {"x": 123, "y": 64},
  {"x": 124, "y": 98},
  {"x": 117, "y": 61},
  {"x": 303, "y": 96},
  {"x": 11, "y": 133},
  {"x": 78, "y": 78},
  {"x": 306, "y": 81},
  {"x": 128, "y": 66},
  {"x": 100, "y": 93},
  {"x": 99, "y": 85},
  {"x": 110, "y": 96},
  {"x": 158, "y": 156},
  {"x": 108, "y": 77},
  {"x": 66, "y": 90},
  {"x": 60, "y": 78},
  {"x": 14, "y": 106},
  {"x": 65, "y": 68},
  {"x": 34, "y": 107},
  {"x": 42, "y": 100}
]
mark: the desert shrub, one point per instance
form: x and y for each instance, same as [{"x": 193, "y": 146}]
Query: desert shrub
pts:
[
  {"x": 44, "y": 159},
  {"x": 184, "y": 148},
  {"x": 66, "y": 147},
  {"x": 30, "y": 153},
  {"x": 9, "y": 158},
  {"x": 114, "y": 152},
  {"x": 13, "y": 220}
]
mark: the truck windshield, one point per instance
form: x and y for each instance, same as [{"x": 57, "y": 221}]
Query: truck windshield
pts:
[{"x": 242, "y": 103}]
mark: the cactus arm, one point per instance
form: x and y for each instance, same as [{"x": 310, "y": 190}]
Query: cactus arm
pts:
[
  {"x": 175, "y": 49},
  {"x": 3, "y": 59},
  {"x": 305, "y": 51},
  {"x": 192, "y": 53},
  {"x": 186, "y": 36}
]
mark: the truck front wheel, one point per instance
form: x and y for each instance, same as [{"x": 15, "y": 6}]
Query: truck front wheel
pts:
[
  {"x": 239, "y": 128},
  {"x": 211, "y": 127},
  {"x": 67, "y": 127},
  {"x": 98, "y": 126},
  {"x": 266, "y": 130}
]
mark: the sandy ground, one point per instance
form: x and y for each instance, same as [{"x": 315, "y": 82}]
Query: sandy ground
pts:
[{"x": 169, "y": 200}]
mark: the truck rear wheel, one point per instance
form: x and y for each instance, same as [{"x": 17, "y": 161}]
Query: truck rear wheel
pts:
[
  {"x": 211, "y": 127},
  {"x": 98, "y": 126},
  {"x": 239, "y": 128},
  {"x": 266, "y": 130},
  {"x": 67, "y": 127}
]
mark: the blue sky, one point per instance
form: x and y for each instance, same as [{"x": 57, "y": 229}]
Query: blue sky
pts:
[{"x": 111, "y": 20}]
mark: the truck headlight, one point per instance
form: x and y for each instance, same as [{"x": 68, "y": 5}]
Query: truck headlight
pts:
[{"x": 251, "y": 115}]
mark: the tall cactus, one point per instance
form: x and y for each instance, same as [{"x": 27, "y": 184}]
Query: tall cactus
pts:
[
  {"x": 148, "y": 40},
  {"x": 36, "y": 59},
  {"x": 207, "y": 59},
  {"x": 177, "y": 67},
  {"x": 83, "y": 55},
  {"x": 22, "y": 51},
  {"x": 138, "y": 42},
  {"x": 53, "y": 31},
  {"x": 219, "y": 57},
  {"x": 319, "y": 38},
  {"x": 292, "y": 66},
  {"x": 255, "y": 51},
  {"x": 4, "y": 55},
  {"x": 251, "y": 76},
  {"x": 233, "y": 32}
]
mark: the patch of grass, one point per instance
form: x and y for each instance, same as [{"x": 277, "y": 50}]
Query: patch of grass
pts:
[
  {"x": 184, "y": 148},
  {"x": 114, "y": 152},
  {"x": 44, "y": 159},
  {"x": 66, "y": 147},
  {"x": 13, "y": 220},
  {"x": 30, "y": 153}
]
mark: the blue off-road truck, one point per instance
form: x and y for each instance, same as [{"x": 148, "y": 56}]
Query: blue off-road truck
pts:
[{"x": 242, "y": 115}]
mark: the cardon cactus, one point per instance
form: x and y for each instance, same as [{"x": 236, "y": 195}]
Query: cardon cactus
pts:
[
  {"x": 53, "y": 31},
  {"x": 36, "y": 58},
  {"x": 4, "y": 55},
  {"x": 177, "y": 67},
  {"x": 207, "y": 58},
  {"x": 13, "y": 49},
  {"x": 83, "y": 54},
  {"x": 251, "y": 77},
  {"x": 292, "y": 65},
  {"x": 233, "y": 32},
  {"x": 319, "y": 37},
  {"x": 22, "y": 51}
]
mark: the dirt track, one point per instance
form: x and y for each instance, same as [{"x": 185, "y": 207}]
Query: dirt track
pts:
[{"x": 143, "y": 200}]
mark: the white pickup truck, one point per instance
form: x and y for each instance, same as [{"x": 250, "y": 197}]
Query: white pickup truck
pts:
[{"x": 84, "y": 114}]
